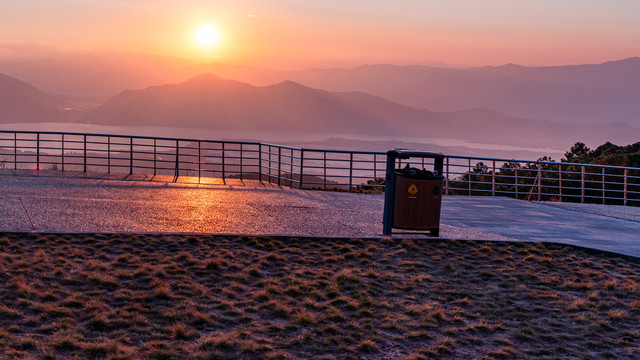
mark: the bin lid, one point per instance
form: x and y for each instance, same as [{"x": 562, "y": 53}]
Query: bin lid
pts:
[
  {"x": 416, "y": 173},
  {"x": 404, "y": 154}
]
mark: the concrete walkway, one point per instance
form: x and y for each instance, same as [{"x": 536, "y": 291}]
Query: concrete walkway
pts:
[{"x": 76, "y": 204}]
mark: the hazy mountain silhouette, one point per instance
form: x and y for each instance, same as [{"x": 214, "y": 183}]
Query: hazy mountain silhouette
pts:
[
  {"x": 21, "y": 102},
  {"x": 601, "y": 93},
  {"x": 579, "y": 94},
  {"x": 211, "y": 102}
]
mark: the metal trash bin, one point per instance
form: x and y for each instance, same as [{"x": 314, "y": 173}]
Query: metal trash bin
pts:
[{"x": 413, "y": 197}]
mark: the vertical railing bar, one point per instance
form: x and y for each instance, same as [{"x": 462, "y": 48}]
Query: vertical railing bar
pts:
[
  {"x": 85, "y": 153},
  {"x": 62, "y": 150},
  {"x": 446, "y": 179},
  {"x": 177, "y": 167},
  {"x": 324, "y": 168},
  {"x": 582, "y": 185},
  {"x": 279, "y": 164},
  {"x": 199, "y": 159},
  {"x": 155, "y": 156},
  {"x": 241, "y": 161},
  {"x": 375, "y": 169},
  {"x": 626, "y": 174},
  {"x": 539, "y": 182},
  {"x": 38, "y": 151},
  {"x": 270, "y": 165},
  {"x": 351, "y": 170},
  {"x": 469, "y": 179},
  {"x": 130, "y": 155},
  {"x": 493, "y": 179},
  {"x": 560, "y": 180},
  {"x": 516, "y": 176},
  {"x": 301, "y": 168},
  {"x": 15, "y": 151},
  {"x": 108, "y": 154},
  {"x": 604, "y": 193},
  {"x": 260, "y": 162},
  {"x": 223, "y": 163}
]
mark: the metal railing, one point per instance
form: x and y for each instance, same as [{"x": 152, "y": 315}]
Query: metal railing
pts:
[
  {"x": 310, "y": 168},
  {"x": 542, "y": 180},
  {"x": 191, "y": 158}
]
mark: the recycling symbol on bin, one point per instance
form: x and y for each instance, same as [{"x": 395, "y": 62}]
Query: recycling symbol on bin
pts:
[{"x": 413, "y": 189}]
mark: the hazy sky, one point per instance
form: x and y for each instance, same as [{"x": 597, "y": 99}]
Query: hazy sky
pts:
[{"x": 296, "y": 33}]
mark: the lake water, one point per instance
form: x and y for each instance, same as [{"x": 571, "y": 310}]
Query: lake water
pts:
[{"x": 365, "y": 142}]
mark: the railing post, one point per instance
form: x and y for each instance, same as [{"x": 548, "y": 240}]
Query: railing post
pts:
[
  {"x": 604, "y": 193},
  {"x": 260, "y": 162},
  {"x": 279, "y": 164},
  {"x": 301, "y": 168},
  {"x": 15, "y": 151},
  {"x": 446, "y": 179},
  {"x": 560, "y": 181},
  {"x": 626, "y": 175},
  {"x": 291, "y": 168},
  {"x": 270, "y": 167},
  {"x": 85, "y": 153},
  {"x": 324, "y": 168},
  {"x": 130, "y": 155},
  {"x": 493, "y": 179},
  {"x": 351, "y": 170},
  {"x": 199, "y": 159},
  {"x": 539, "y": 182},
  {"x": 241, "y": 161},
  {"x": 155, "y": 156},
  {"x": 469, "y": 179},
  {"x": 108, "y": 154},
  {"x": 62, "y": 152},
  {"x": 177, "y": 167},
  {"x": 38, "y": 151},
  {"x": 582, "y": 185},
  {"x": 223, "y": 162},
  {"x": 516, "y": 183}
]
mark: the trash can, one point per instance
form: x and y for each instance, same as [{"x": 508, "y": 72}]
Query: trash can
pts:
[{"x": 413, "y": 196}]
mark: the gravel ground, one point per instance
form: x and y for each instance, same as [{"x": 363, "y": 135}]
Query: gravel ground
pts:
[
  {"x": 106, "y": 204},
  {"x": 615, "y": 211}
]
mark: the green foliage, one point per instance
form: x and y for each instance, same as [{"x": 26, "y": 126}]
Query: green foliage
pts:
[{"x": 542, "y": 180}]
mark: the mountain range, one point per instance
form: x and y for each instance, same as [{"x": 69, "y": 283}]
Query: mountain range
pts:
[
  {"x": 581, "y": 94},
  {"x": 577, "y": 94},
  {"x": 208, "y": 101}
]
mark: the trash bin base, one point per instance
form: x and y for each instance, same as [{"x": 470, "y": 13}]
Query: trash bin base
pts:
[{"x": 433, "y": 232}]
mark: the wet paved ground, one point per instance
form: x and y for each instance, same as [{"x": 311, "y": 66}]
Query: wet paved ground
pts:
[{"x": 75, "y": 204}]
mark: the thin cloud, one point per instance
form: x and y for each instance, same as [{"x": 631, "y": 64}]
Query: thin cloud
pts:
[{"x": 28, "y": 48}]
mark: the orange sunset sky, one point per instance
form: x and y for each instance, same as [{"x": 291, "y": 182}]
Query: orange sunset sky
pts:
[{"x": 290, "y": 34}]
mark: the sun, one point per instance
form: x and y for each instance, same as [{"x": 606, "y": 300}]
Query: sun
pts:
[{"x": 206, "y": 35}]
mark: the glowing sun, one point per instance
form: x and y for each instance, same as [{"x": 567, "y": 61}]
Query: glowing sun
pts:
[{"x": 206, "y": 35}]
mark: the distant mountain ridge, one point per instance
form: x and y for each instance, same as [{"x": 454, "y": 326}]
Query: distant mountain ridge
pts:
[
  {"x": 576, "y": 94},
  {"x": 208, "y": 101},
  {"x": 601, "y": 93},
  {"x": 212, "y": 102},
  {"x": 20, "y": 101}
]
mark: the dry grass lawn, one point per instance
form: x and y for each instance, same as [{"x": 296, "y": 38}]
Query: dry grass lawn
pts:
[{"x": 205, "y": 297}]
